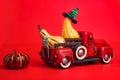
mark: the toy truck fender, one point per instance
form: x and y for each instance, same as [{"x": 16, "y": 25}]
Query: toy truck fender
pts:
[
  {"x": 60, "y": 53},
  {"x": 105, "y": 50}
]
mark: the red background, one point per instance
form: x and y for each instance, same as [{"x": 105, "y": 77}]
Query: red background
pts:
[{"x": 18, "y": 30}]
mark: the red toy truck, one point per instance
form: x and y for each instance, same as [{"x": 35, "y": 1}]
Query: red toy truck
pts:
[{"x": 76, "y": 50}]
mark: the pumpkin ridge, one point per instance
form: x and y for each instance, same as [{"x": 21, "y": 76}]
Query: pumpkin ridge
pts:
[
  {"x": 20, "y": 58},
  {"x": 12, "y": 59}
]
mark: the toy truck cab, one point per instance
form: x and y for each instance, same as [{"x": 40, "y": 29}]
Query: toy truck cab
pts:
[
  {"x": 96, "y": 48},
  {"x": 83, "y": 49}
]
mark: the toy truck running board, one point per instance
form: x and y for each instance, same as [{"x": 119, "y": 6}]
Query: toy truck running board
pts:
[{"x": 87, "y": 60}]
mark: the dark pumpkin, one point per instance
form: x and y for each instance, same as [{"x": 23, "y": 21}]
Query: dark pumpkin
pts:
[{"x": 16, "y": 60}]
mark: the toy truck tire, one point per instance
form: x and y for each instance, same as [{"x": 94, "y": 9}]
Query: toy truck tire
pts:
[
  {"x": 107, "y": 58},
  {"x": 46, "y": 61},
  {"x": 80, "y": 52},
  {"x": 65, "y": 63}
]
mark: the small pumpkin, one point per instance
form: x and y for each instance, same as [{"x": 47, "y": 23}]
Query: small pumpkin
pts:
[{"x": 16, "y": 60}]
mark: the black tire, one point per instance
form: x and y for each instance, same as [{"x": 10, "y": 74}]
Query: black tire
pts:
[
  {"x": 80, "y": 52},
  {"x": 46, "y": 61},
  {"x": 65, "y": 63},
  {"x": 107, "y": 58}
]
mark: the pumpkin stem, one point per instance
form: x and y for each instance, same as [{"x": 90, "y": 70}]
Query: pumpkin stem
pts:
[{"x": 15, "y": 52}]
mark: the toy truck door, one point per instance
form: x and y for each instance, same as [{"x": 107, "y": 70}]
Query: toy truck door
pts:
[{"x": 90, "y": 46}]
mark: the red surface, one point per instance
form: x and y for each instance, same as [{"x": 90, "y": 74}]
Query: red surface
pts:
[{"x": 18, "y": 30}]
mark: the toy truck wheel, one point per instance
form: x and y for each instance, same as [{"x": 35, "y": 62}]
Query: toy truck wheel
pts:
[
  {"x": 80, "y": 52},
  {"x": 65, "y": 63},
  {"x": 107, "y": 58},
  {"x": 46, "y": 61}
]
